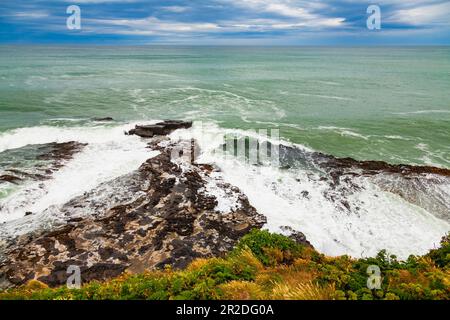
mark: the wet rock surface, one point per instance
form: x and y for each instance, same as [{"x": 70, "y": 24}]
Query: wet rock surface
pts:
[
  {"x": 160, "y": 128},
  {"x": 418, "y": 185},
  {"x": 170, "y": 220},
  {"x": 423, "y": 186},
  {"x": 169, "y": 212},
  {"x": 37, "y": 163},
  {"x": 9, "y": 178},
  {"x": 292, "y": 156},
  {"x": 377, "y": 167},
  {"x": 295, "y": 235}
]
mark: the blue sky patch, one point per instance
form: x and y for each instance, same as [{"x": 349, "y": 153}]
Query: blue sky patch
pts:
[{"x": 226, "y": 22}]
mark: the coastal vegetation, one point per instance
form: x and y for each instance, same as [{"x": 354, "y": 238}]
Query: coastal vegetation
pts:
[{"x": 265, "y": 265}]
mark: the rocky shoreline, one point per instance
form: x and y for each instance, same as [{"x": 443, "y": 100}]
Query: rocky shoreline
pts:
[
  {"x": 54, "y": 155},
  {"x": 171, "y": 220},
  {"x": 414, "y": 183},
  {"x": 170, "y": 211}
]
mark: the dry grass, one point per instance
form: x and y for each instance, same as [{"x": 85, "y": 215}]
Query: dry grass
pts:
[
  {"x": 197, "y": 264},
  {"x": 302, "y": 291},
  {"x": 242, "y": 290}
]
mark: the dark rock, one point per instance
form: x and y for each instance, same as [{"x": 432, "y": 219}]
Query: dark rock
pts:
[
  {"x": 160, "y": 128},
  {"x": 175, "y": 124},
  {"x": 170, "y": 220},
  {"x": 31, "y": 176},
  {"x": 418, "y": 185},
  {"x": 105, "y": 119},
  {"x": 9, "y": 178},
  {"x": 376, "y": 167},
  {"x": 292, "y": 156},
  {"x": 46, "y": 159},
  {"x": 297, "y": 236},
  {"x": 60, "y": 151}
]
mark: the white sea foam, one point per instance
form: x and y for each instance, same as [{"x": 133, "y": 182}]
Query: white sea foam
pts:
[
  {"x": 377, "y": 219},
  {"x": 325, "y": 96},
  {"x": 344, "y": 132},
  {"x": 109, "y": 154},
  {"x": 396, "y": 137},
  {"x": 429, "y": 156},
  {"x": 422, "y": 112},
  {"x": 330, "y": 83},
  {"x": 227, "y": 199},
  {"x": 32, "y": 80}
]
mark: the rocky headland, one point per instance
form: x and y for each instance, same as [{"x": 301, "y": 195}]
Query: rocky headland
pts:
[
  {"x": 172, "y": 211},
  {"x": 162, "y": 214}
]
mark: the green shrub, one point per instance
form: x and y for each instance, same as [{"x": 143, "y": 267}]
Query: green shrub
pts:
[
  {"x": 266, "y": 265},
  {"x": 260, "y": 242},
  {"x": 441, "y": 256}
]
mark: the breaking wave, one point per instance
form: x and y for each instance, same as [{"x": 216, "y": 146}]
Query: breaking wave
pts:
[
  {"x": 356, "y": 215},
  {"x": 351, "y": 213}
]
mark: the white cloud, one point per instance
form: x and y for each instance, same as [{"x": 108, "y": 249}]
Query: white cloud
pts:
[
  {"x": 287, "y": 11},
  {"x": 300, "y": 11},
  {"x": 151, "y": 26},
  {"x": 29, "y": 15},
  {"x": 285, "y": 18},
  {"x": 155, "y": 26},
  {"x": 287, "y": 15},
  {"x": 424, "y": 14},
  {"x": 175, "y": 9},
  {"x": 99, "y": 1}
]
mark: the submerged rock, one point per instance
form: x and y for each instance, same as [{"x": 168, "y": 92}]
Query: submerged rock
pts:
[
  {"x": 419, "y": 185},
  {"x": 160, "y": 128},
  {"x": 423, "y": 186},
  {"x": 171, "y": 220},
  {"x": 9, "y": 178},
  {"x": 36, "y": 162},
  {"x": 105, "y": 119},
  {"x": 59, "y": 151},
  {"x": 377, "y": 167}
]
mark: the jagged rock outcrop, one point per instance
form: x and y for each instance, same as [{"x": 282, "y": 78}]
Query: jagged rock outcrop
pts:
[
  {"x": 423, "y": 186},
  {"x": 172, "y": 219},
  {"x": 160, "y": 128},
  {"x": 377, "y": 167},
  {"x": 54, "y": 154},
  {"x": 295, "y": 235},
  {"x": 9, "y": 178}
]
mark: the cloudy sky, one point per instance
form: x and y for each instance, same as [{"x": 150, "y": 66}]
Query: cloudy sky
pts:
[{"x": 226, "y": 22}]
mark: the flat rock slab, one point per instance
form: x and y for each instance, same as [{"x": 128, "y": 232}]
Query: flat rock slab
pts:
[
  {"x": 160, "y": 128},
  {"x": 36, "y": 162}
]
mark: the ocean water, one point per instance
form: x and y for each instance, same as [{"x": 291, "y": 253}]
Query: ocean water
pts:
[{"x": 389, "y": 104}]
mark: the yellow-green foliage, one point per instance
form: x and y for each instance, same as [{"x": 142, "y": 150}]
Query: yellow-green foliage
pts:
[
  {"x": 270, "y": 266},
  {"x": 242, "y": 290},
  {"x": 303, "y": 291}
]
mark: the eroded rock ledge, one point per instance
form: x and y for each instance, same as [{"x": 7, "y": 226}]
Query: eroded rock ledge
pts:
[
  {"x": 54, "y": 155},
  {"x": 164, "y": 213},
  {"x": 160, "y": 128},
  {"x": 172, "y": 220},
  {"x": 423, "y": 186}
]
